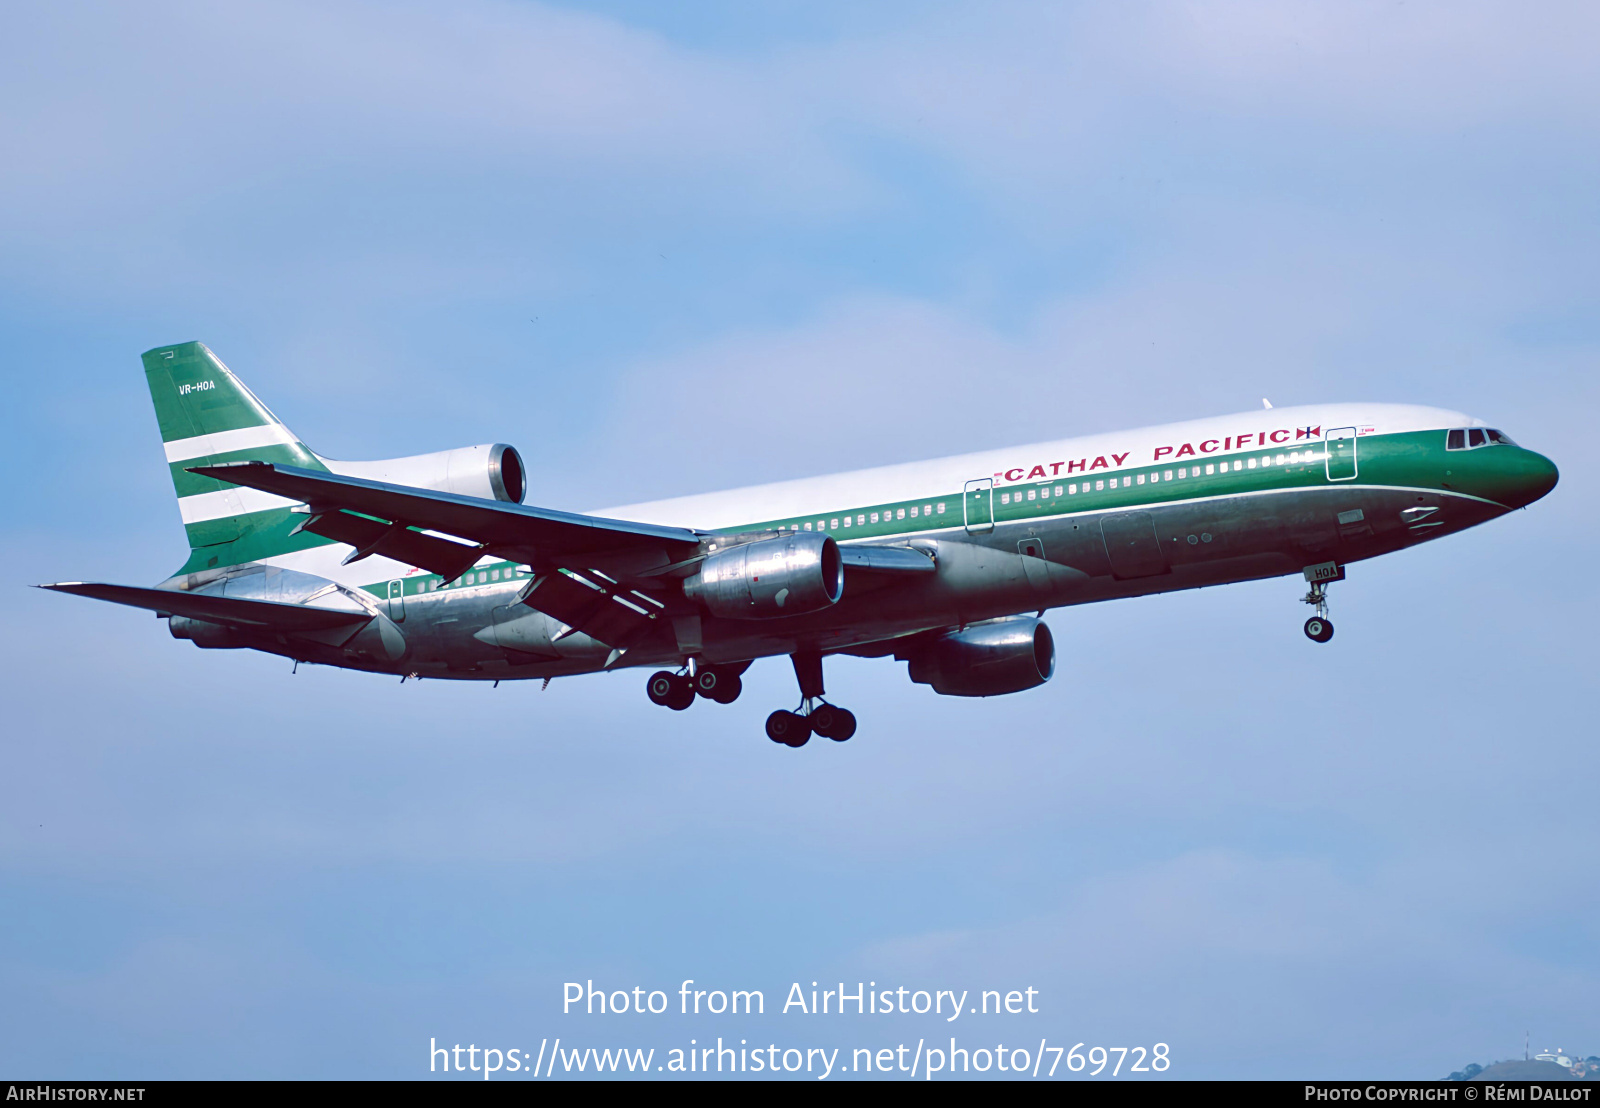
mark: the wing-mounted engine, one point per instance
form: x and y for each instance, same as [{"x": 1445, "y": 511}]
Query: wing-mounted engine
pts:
[
  {"x": 986, "y": 659},
  {"x": 785, "y": 576},
  {"x": 493, "y": 472}
]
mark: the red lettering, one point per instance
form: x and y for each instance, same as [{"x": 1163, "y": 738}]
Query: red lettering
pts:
[
  {"x": 1013, "y": 475},
  {"x": 1119, "y": 458},
  {"x": 1184, "y": 449},
  {"x": 1261, "y": 439},
  {"x": 1239, "y": 441},
  {"x": 1055, "y": 467},
  {"x": 1037, "y": 471},
  {"x": 1282, "y": 432},
  {"x": 1099, "y": 463},
  {"x": 1208, "y": 446},
  {"x": 1075, "y": 467},
  {"x": 1160, "y": 450}
]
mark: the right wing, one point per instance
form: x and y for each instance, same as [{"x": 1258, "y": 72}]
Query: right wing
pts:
[{"x": 251, "y": 615}]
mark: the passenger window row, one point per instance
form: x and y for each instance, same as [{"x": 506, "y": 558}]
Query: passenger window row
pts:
[
  {"x": 866, "y": 519},
  {"x": 479, "y": 576},
  {"x": 1182, "y": 473}
]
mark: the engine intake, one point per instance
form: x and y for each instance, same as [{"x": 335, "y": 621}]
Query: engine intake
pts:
[
  {"x": 786, "y": 576},
  {"x": 987, "y": 659},
  {"x": 493, "y": 472}
]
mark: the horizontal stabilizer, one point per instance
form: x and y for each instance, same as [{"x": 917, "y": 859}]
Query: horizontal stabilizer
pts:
[
  {"x": 501, "y": 528},
  {"x": 260, "y": 615}
]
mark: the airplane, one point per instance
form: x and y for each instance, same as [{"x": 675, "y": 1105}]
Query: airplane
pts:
[{"x": 431, "y": 566}]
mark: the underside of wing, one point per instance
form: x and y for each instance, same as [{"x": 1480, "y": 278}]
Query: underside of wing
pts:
[
  {"x": 596, "y": 604},
  {"x": 259, "y": 615}
]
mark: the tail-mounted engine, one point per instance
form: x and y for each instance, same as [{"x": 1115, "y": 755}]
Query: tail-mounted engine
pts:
[
  {"x": 786, "y": 576},
  {"x": 987, "y": 659},
  {"x": 491, "y": 472}
]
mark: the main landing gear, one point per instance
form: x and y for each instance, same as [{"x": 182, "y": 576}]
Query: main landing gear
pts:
[
  {"x": 678, "y": 690},
  {"x": 815, "y": 716},
  {"x": 1319, "y": 628}
]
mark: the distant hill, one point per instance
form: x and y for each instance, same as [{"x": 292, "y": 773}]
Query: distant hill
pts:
[{"x": 1524, "y": 1071}]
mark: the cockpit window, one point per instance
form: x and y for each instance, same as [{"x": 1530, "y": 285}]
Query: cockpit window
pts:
[{"x": 1470, "y": 438}]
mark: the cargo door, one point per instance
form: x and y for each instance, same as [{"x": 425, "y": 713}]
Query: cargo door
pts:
[{"x": 1132, "y": 546}]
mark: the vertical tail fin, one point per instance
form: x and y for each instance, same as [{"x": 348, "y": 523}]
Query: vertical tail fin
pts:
[{"x": 207, "y": 415}]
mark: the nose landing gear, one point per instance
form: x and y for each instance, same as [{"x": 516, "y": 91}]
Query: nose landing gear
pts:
[{"x": 1319, "y": 628}]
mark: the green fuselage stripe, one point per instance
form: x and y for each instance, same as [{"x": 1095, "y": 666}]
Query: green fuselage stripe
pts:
[{"x": 1412, "y": 460}]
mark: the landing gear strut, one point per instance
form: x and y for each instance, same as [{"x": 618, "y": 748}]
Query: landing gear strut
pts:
[
  {"x": 815, "y": 715},
  {"x": 1319, "y": 628}
]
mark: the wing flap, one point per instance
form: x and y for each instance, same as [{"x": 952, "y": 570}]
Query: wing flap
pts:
[
  {"x": 257, "y": 615},
  {"x": 593, "y": 604},
  {"x": 392, "y": 540}
]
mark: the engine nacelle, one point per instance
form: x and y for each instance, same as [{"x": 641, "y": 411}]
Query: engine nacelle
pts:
[
  {"x": 210, "y": 636},
  {"x": 987, "y": 659},
  {"x": 492, "y": 472},
  {"x": 786, "y": 576}
]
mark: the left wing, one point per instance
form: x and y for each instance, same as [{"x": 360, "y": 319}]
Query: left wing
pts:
[
  {"x": 593, "y": 574},
  {"x": 390, "y": 520}
]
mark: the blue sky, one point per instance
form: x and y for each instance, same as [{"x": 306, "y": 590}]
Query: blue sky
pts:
[{"x": 664, "y": 252}]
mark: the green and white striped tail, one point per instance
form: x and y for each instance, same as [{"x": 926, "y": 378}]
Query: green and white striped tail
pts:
[{"x": 207, "y": 416}]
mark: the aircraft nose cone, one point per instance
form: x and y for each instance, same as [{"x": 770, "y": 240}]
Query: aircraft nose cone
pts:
[{"x": 1536, "y": 476}]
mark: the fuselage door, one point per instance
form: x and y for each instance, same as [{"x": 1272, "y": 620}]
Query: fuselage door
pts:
[
  {"x": 397, "y": 601},
  {"x": 1132, "y": 545},
  {"x": 1341, "y": 444},
  {"x": 977, "y": 506}
]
